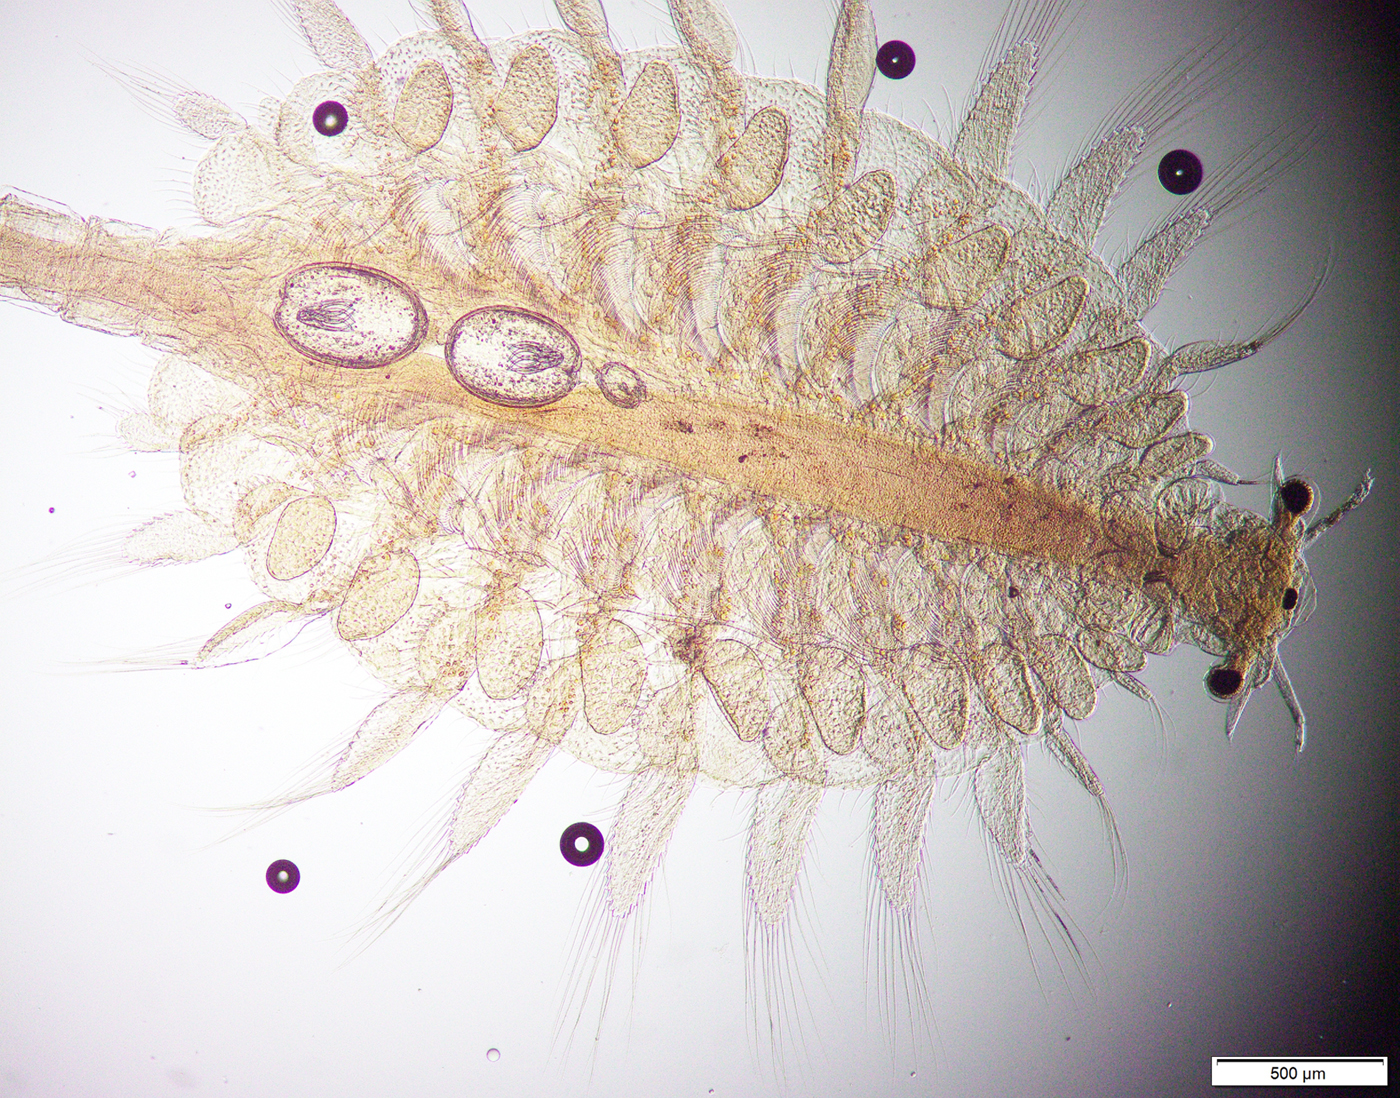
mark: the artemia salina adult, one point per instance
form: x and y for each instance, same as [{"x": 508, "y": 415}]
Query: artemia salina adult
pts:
[{"x": 706, "y": 427}]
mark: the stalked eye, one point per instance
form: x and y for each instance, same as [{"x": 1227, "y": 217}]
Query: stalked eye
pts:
[
  {"x": 895, "y": 59},
  {"x": 1290, "y": 598},
  {"x": 349, "y": 316},
  {"x": 330, "y": 118},
  {"x": 512, "y": 357},
  {"x": 1224, "y": 682},
  {"x": 1181, "y": 171},
  {"x": 1296, "y": 495},
  {"x": 622, "y": 385}
]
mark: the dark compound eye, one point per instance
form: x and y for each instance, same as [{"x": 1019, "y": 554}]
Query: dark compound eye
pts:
[
  {"x": 1290, "y": 598},
  {"x": 1180, "y": 171},
  {"x": 1224, "y": 682},
  {"x": 895, "y": 59},
  {"x": 330, "y": 118},
  {"x": 1296, "y": 496},
  {"x": 283, "y": 876},
  {"x": 581, "y": 844}
]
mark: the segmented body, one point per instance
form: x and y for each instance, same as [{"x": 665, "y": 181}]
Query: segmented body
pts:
[{"x": 892, "y": 478}]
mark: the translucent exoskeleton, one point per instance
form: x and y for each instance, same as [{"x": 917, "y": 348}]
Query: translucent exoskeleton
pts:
[{"x": 717, "y": 431}]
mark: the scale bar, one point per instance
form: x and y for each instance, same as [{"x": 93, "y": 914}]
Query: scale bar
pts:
[{"x": 1299, "y": 1071}]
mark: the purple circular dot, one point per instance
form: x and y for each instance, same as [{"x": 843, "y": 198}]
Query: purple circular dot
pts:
[
  {"x": 1181, "y": 171},
  {"x": 581, "y": 844},
  {"x": 895, "y": 59},
  {"x": 330, "y": 118},
  {"x": 283, "y": 876}
]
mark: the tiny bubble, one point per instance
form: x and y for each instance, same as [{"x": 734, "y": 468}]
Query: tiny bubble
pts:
[
  {"x": 1180, "y": 171},
  {"x": 493, "y": 1054},
  {"x": 895, "y": 59},
  {"x": 132, "y": 474},
  {"x": 581, "y": 844},
  {"x": 228, "y": 606},
  {"x": 330, "y": 118},
  {"x": 283, "y": 876}
]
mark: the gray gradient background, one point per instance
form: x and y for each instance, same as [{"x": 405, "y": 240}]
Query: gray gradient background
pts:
[{"x": 1259, "y": 915}]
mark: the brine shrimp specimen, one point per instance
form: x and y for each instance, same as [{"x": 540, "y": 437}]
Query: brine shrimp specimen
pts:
[{"x": 707, "y": 427}]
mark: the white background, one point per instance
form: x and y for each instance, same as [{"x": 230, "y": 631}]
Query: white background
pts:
[{"x": 138, "y": 956}]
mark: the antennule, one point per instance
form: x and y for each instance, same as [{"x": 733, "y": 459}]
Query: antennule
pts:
[
  {"x": 1353, "y": 501},
  {"x": 1290, "y": 699}
]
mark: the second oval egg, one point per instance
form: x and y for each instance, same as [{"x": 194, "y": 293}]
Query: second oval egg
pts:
[{"x": 512, "y": 357}]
